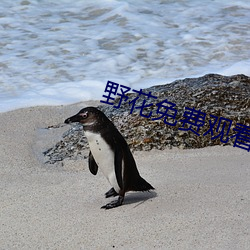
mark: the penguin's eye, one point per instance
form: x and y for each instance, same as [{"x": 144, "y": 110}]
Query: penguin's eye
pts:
[{"x": 84, "y": 115}]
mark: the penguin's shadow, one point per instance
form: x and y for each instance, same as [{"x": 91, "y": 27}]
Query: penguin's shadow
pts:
[{"x": 137, "y": 198}]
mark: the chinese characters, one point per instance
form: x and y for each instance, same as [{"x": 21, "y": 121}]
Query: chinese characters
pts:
[{"x": 192, "y": 120}]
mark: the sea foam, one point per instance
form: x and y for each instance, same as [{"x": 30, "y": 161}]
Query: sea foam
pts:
[{"x": 62, "y": 52}]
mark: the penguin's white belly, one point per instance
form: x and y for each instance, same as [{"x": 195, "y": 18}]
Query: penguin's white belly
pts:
[{"x": 104, "y": 157}]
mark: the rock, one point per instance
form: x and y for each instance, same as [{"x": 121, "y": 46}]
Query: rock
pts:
[{"x": 221, "y": 96}]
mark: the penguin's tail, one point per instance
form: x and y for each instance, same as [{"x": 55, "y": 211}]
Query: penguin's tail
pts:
[{"x": 141, "y": 185}]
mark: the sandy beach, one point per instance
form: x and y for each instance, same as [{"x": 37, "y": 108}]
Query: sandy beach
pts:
[{"x": 201, "y": 198}]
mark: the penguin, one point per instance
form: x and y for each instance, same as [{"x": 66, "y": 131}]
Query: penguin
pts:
[{"x": 110, "y": 152}]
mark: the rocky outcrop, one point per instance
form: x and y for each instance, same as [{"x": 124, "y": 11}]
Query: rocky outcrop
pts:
[{"x": 212, "y": 95}]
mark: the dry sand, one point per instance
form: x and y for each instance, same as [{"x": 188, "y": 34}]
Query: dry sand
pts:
[{"x": 201, "y": 201}]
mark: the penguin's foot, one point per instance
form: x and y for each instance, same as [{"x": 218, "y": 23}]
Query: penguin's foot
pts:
[
  {"x": 113, "y": 204},
  {"x": 111, "y": 193}
]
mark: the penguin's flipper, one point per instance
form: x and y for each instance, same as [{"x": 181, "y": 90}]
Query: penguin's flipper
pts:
[
  {"x": 93, "y": 167},
  {"x": 118, "y": 166},
  {"x": 111, "y": 193}
]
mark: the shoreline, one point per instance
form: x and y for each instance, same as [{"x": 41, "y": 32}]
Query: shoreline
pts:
[{"x": 201, "y": 198}]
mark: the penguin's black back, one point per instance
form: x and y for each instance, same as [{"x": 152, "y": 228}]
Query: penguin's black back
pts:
[{"x": 132, "y": 180}]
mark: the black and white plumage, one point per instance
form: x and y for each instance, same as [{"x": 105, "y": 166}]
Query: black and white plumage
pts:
[{"x": 110, "y": 152}]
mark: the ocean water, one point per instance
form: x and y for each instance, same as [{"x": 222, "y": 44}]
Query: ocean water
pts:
[{"x": 61, "y": 52}]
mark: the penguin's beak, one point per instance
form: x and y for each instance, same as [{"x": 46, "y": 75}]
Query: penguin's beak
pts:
[{"x": 74, "y": 118}]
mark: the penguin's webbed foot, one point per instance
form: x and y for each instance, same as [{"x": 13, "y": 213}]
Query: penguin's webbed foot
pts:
[
  {"x": 111, "y": 193},
  {"x": 113, "y": 204}
]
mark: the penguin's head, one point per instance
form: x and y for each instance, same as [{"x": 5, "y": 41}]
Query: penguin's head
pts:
[{"x": 89, "y": 116}]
